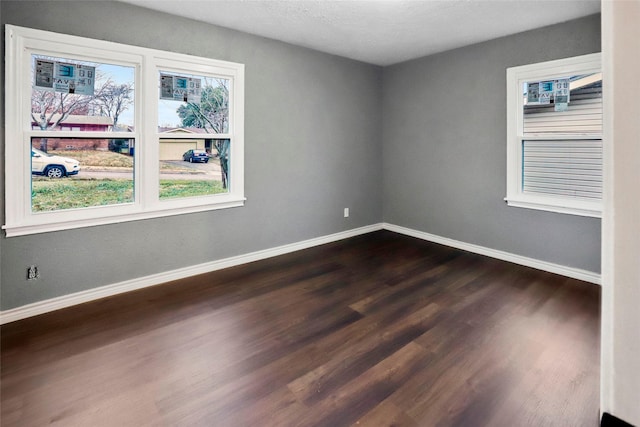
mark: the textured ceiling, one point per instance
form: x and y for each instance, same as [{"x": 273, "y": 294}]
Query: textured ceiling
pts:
[{"x": 381, "y": 32}]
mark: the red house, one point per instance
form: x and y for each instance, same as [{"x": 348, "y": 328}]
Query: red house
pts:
[{"x": 78, "y": 124}]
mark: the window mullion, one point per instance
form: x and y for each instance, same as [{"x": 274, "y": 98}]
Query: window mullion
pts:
[{"x": 149, "y": 153}]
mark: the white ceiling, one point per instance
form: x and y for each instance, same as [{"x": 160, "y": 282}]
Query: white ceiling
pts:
[{"x": 381, "y": 32}]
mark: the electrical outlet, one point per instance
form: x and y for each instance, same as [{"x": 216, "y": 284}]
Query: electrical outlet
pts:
[
  {"x": 32, "y": 272},
  {"x": 346, "y": 212}
]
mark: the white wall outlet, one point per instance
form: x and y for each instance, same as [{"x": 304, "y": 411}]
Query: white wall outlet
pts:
[
  {"x": 32, "y": 272},
  {"x": 346, "y": 212}
]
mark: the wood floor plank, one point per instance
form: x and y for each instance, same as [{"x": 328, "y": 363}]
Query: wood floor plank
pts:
[
  {"x": 376, "y": 330},
  {"x": 315, "y": 385},
  {"x": 360, "y": 395},
  {"x": 386, "y": 414}
]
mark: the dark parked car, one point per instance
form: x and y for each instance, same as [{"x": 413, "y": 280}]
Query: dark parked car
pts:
[{"x": 196, "y": 156}]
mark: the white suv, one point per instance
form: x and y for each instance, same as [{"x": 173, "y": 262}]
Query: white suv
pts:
[{"x": 52, "y": 166}]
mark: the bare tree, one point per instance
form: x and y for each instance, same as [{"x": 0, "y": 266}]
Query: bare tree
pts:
[
  {"x": 49, "y": 109},
  {"x": 114, "y": 99}
]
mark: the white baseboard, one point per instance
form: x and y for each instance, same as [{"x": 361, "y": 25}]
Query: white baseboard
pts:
[
  {"x": 57, "y": 303},
  {"x": 575, "y": 273}
]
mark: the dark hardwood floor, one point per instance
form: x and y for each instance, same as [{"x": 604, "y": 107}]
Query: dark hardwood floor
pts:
[{"x": 377, "y": 330}]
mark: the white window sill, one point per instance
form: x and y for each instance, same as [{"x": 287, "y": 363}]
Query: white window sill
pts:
[
  {"x": 12, "y": 230},
  {"x": 551, "y": 204}
]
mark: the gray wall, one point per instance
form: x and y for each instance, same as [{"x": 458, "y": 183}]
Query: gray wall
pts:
[
  {"x": 444, "y": 148},
  {"x": 312, "y": 147}
]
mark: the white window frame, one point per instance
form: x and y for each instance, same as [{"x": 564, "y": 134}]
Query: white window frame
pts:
[
  {"x": 21, "y": 43},
  {"x": 516, "y": 77}
]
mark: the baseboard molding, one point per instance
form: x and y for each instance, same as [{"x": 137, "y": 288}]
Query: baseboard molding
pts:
[
  {"x": 609, "y": 420},
  {"x": 575, "y": 273},
  {"x": 64, "y": 301}
]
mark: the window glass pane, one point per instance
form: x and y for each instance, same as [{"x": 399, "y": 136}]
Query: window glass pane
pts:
[
  {"x": 195, "y": 103},
  {"x": 73, "y": 95},
  {"x": 570, "y": 104},
  {"x": 71, "y": 173},
  {"x": 193, "y": 167}
]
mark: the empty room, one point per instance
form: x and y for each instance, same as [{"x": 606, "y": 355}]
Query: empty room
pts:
[{"x": 320, "y": 213}]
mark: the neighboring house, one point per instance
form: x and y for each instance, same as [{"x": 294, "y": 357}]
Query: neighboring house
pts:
[
  {"x": 78, "y": 123},
  {"x": 583, "y": 115},
  {"x": 173, "y": 149}
]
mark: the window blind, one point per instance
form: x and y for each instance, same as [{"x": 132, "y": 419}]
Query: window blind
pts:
[{"x": 563, "y": 167}]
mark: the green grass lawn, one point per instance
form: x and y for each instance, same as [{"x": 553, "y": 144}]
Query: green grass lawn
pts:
[
  {"x": 97, "y": 158},
  {"x": 184, "y": 188},
  {"x": 58, "y": 194}
]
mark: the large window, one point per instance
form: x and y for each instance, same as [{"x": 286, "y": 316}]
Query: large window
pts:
[
  {"x": 99, "y": 132},
  {"x": 554, "y": 136}
]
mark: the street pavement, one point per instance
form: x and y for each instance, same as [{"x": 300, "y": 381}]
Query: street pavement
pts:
[{"x": 198, "y": 172}]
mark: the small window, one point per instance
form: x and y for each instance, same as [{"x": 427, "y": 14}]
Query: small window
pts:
[
  {"x": 554, "y": 141},
  {"x": 99, "y": 132}
]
